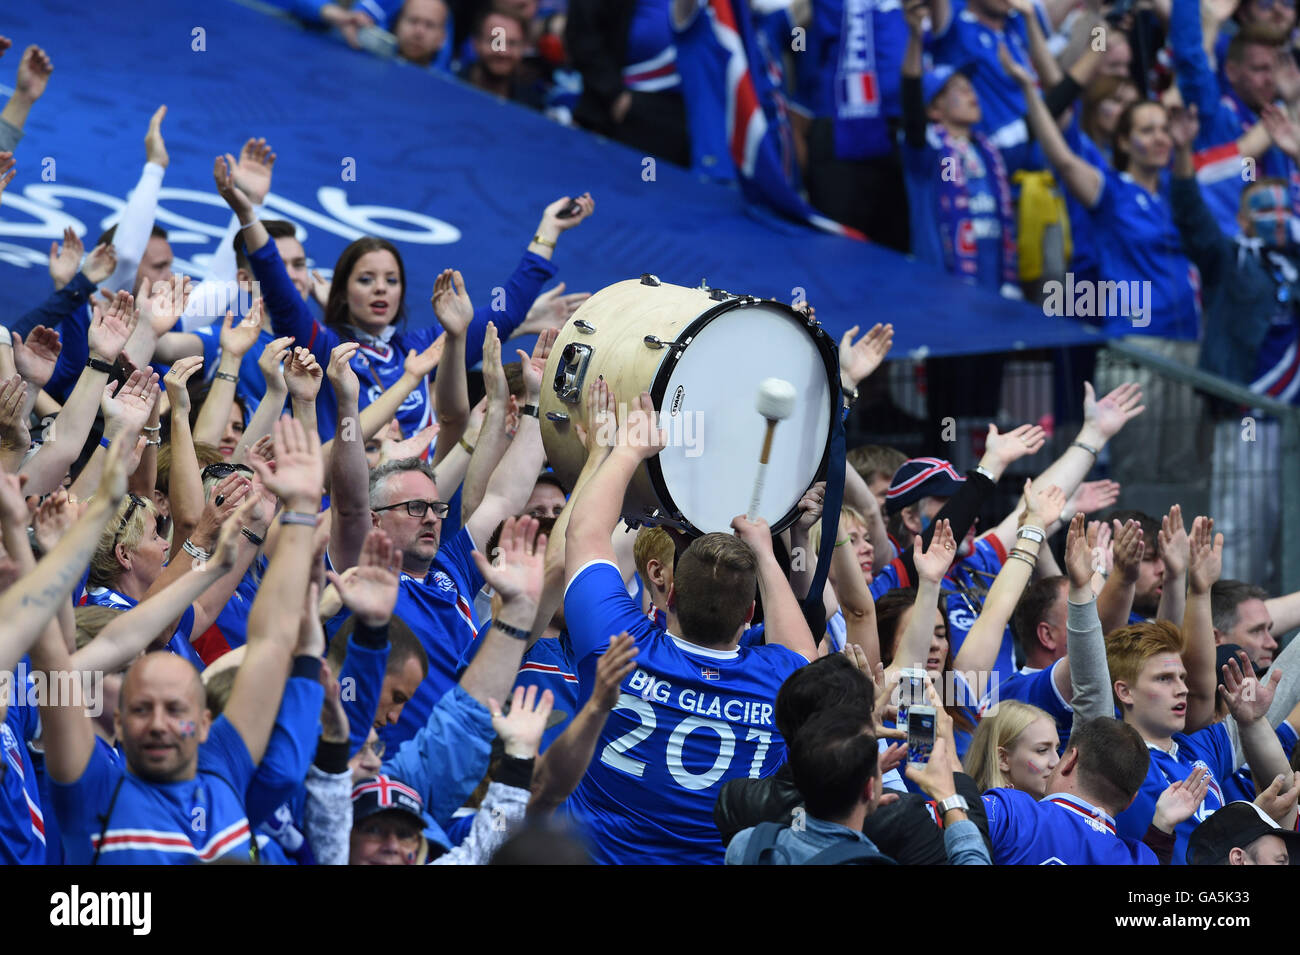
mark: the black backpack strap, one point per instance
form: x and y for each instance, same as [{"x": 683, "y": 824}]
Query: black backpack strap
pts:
[
  {"x": 849, "y": 853},
  {"x": 762, "y": 844},
  {"x": 103, "y": 829}
]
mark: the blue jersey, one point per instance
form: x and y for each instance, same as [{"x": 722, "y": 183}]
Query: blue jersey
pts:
[
  {"x": 650, "y": 58},
  {"x": 1140, "y": 249},
  {"x": 688, "y": 719},
  {"x": 252, "y": 384},
  {"x": 964, "y": 590},
  {"x": 702, "y": 63},
  {"x": 1060, "y": 829},
  {"x": 1240, "y": 785},
  {"x": 1209, "y": 748},
  {"x": 179, "y": 643},
  {"x": 1037, "y": 688},
  {"x": 195, "y": 820},
  {"x": 970, "y": 46},
  {"x": 1084, "y": 260},
  {"x": 1277, "y": 366},
  {"x": 439, "y": 610},
  {"x": 22, "y": 813}
]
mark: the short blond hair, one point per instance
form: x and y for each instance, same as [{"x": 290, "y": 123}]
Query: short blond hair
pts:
[
  {"x": 105, "y": 568},
  {"x": 652, "y": 543},
  {"x": 1129, "y": 648},
  {"x": 998, "y": 731}
]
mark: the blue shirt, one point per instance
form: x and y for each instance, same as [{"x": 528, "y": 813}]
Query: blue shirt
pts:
[
  {"x": 195, "y": 820},
  {"x": 970, "y": 46},
  {"x": 1139, "y": 246},
  {"x": 964, "y": 590},
  {"x": 22, "y": 814},
  {"x": 702, "y": 63},
  {"x": 1037, "y": 688},
  {"x": 1240, "y": 785},
  {"x": 1209, "y": 748},
  {"x": 1060, "y": 829},
  {"x": 689, "y": 719}
]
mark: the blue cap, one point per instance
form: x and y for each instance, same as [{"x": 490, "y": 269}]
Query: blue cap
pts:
[{"x": 933, "y": 82}]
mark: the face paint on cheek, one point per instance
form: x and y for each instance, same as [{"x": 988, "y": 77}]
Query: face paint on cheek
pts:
[{"x": 188, "y": 729}]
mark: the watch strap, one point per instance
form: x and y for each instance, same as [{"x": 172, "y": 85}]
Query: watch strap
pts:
[
  {"x": 955, "y": 801},
  {"x": 98, "y": 364}
]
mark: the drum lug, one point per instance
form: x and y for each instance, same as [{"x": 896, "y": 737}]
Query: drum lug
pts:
[
  {"x": 718, "y": 295},
  {"x": 648, "y": 279},
  {"x": 584, "y": 326},
  {"x": 654, "y": 342},
  {"x": 556, "y": 416},
  {"x": 571, "y": 373}
]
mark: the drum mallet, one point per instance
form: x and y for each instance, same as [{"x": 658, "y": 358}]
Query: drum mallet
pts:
[{"x": 775, "y": 403}]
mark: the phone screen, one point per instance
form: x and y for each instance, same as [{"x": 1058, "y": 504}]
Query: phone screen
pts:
[{"x": 920, "y": 734}]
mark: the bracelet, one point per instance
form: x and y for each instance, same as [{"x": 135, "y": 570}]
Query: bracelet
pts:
[
  {"x": 469, "y": 448},
  {"x": 98, "y": 364},
  {"x": 1087, "y": 447},
  {"x": 154, "y": 430},
  {"x": 298, "y": 517},
  {"x": 153, "y": 442},
  {"x": 979, "y": 469},
  {"x": 530, "y": 410},
  {"x": 227, "y": 376},
  {"x": 510, "y": 631},
  {"x": 103, "y": 442},
  {"x": 549, "y": 243},
  {"x": 249, "y": 225},
  {"x": 258, "y": 541},
  {"x": 194, "y": 550},
  {"x": 1031, "y": 532},
  {"x": 1021, "y": 555},
  {"x": 849, "y": 396}
]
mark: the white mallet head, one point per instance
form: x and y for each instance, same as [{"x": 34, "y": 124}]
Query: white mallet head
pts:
[{"x": 775, "y": 399}]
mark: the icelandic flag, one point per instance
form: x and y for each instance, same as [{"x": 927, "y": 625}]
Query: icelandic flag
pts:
[
  {"x": 711, "y": 673},
  {"x": 758, "y": 127}
]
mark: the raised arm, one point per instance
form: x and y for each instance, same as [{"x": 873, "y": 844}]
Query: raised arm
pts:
[
  {"x": 349, "y": 473},
  {"x": 303, "y": 376},
  {"x": 1174, "y": 552},
  {"x": 1115, "y": 602},
  {"x": 979, "y": 651},
  {"x": 784, "y": 622},
  {"x": 125, "y": 414},
  {"x": 34, "y": 71},
  {"x": 1199, "y": 654},
  {"x": 1196, "y": 80},
  {"x": 1083, "y": 677},
  {"x": 931, "y": 565},
  {"x": 1248, "y": 700},
  {"x": 135, "y": 225},
  {"x": 269, "y": 408},
  {"x": 1082, "y": 178},
  {"x": 272, "y": 633},
  {"x": 493, "y": 439},
  {"x": 185, "y": 480},
  {"x": 859, "y": 496},
  {"x": 237, "y": 340}
]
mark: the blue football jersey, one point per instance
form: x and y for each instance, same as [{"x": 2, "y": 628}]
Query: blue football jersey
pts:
[
  {"x": 195, "y": 820},
  {"x": 964, "y": 590},
  {"x": 1038, "y": 688},
  {"x": 1209, "y": 748},
  {"x": 1060, "y": 829},
  {"x": 22, "y": 814},
  {"x": 689, "y": 719}
]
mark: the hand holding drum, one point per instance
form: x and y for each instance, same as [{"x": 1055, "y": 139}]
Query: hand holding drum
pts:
[{"x": 776, "y": 400}]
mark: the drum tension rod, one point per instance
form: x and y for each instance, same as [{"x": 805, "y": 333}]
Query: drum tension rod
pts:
[
  {"x": 648, "y": 279},
  {"x": 556, "y": 416},
  {"x": 584, "y": 326}
]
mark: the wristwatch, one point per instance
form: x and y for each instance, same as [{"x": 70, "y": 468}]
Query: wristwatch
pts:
[
  {"x": 955, "y": 801},
  {"x": 530, "y": 410},
  {"x": 1030, "y": 532}
]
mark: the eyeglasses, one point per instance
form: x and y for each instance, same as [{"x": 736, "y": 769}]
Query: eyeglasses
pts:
[
  {"x": 137, "y": 502},
  {"x": 418, "y": 508},
  {"x": 221, "y": 469}
]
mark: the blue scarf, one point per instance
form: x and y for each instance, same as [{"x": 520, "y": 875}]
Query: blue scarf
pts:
[
  {"x": 960, "y": 256},
  {"x": 861, "y": 130}
]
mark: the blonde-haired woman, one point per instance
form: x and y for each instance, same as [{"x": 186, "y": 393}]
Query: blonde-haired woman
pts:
[{"x": 1015, "y": 747}]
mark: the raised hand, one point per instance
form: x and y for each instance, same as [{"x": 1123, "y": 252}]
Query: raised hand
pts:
[
  {"x": 35, "y": 358},
  {"x": 1109, "y": 415},
  {"x": 932, "y": 564},
  {"x": 412, "y": 447},
  {"x": 551, "y": 309},
  {"x": 1278, "y": 800},
  {"x": 128, "y": 411},
  {"x": 451, "y": 303},
  {"x": 915, "y": 12},
  {"x": 1043, "y": 505},
  {"x": 299, "y": 473},
  {"x": 859, "y": 359},
  {"x": 177, "y": 380},
  {"x": 371, "y": 592},
  {"x": 1184, "y": 124},
  {"x": 1281, "y": 129},
  {"x": 1092, "y": 496},
  {"x": 111, "y": 324},
  {"x": 163, "y": 305},
  {"x": 420, "y": 364},
  {"x": 14, "y": 433},
  {"x": 65, "y": 259},
  {"x": 273, "y": 355},
  {"x": 347, "y": 387},
  {"x": 517, "y": 570},
  {"x": 1014, "y": 444},
  {"x": 612, "y": 668},
  {"x": 1078, "y": 554},
  {"x": 8, "y": 168},
  {"x": 320, "y": 288},
  {"x": 100, "y": 264},
  {"x": 1205, "y": 562},
  {"x": 238, "y": 338},
  {"x": 303, "y": 375},
  {"x": 639, "y": 432},
  {"x": 1128, "y": 548},
  {"x": 521, "y": 731},
  {"x": 252, "y": 174},
  {"x": 1018, "y": 73},
  {"x": 54, "y": 518},
  {"x": 1180, "y": 800},
  {"x": 112, "y": 479},
  {"x": 13, "y": 506},
  {"x": 34, "y": 71},
  {"x": 551, "y": 219},
  {"x": 223, "y": 174},
  {"x": 155, "y": 149},
  {"x": 227, "y": 549},
  {"x": 810, "y": 509},
  {"x": 1175, "y": 547},
  {"x": 601, "y": 432},
  {"x": 755, "y": 533},
  {"x": 495, "y": 387},
  {"x": 1248, "y": 698},
  {"x": 534, "y": 365},
  {"x": 1103, "y": 559}
]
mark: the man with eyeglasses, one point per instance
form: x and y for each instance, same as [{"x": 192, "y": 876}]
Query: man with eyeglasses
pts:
[{"x": 439, "y": 578}]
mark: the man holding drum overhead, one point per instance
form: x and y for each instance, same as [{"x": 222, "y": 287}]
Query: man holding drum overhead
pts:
[{"x": 697, "y": 710}]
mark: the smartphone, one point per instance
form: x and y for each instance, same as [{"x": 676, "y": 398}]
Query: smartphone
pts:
[
  {"x": 569, "y": 211},
  {"x": 911, "y": 692},
  {"x": 920, "y": 733}
]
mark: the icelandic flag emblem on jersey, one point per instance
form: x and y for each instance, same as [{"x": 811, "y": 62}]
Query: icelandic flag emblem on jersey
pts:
[{"x": 710, "y": 673}]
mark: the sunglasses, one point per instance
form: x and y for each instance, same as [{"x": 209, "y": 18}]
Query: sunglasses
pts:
[
  {"x": 419, "y": 508},
  {"x": 222, "y": 470},
  {"x": 137, "y": 502}
]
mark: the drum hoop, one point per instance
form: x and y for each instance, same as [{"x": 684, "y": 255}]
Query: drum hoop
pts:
[{"x": 830, "y": 359}]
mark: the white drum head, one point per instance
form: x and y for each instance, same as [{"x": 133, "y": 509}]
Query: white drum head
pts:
[{"x": 715, "y": 435}]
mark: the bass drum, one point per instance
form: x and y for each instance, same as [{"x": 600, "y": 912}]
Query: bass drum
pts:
[{"x": 701, "y": 353}]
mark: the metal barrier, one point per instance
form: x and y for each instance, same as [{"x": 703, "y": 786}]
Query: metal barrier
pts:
[{"x": 1210, "y": 445}]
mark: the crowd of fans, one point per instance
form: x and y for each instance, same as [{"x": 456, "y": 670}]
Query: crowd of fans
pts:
[{"x": 248, "y": 612}]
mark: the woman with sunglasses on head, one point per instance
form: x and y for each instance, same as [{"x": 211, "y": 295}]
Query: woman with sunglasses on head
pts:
[{"x": 366, "y": 304}]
